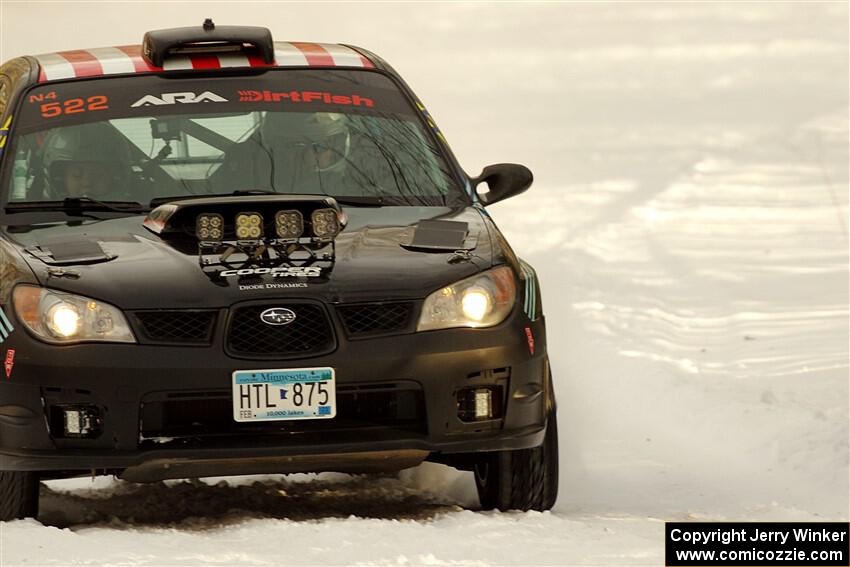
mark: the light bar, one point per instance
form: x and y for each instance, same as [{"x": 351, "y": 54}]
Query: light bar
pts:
[
  {"x": 325, "y": 223},
  {"x": 289, "y": 224},
  {"x": 249, "y": 226},
  {"x": 209, "y": 226}
]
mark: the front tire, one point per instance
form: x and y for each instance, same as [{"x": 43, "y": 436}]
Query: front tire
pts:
[
  {"x": 18, "y": 495},
  {"x": 525, "y": 479}
]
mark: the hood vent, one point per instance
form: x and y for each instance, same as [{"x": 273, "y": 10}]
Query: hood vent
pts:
[
  {"x": 439, "y": 236},
  {"x": 68, "y": 253}
]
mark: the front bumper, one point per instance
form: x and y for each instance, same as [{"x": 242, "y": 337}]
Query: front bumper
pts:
[{"x": 166, "y": 407}]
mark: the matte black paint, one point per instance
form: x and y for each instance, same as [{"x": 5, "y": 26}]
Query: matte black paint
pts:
[{"x": 149, "y": 272}]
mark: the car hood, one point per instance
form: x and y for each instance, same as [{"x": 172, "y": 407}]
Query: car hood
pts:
[{"x": 136, "y": 269}]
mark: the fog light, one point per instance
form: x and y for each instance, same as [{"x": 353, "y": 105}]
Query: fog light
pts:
[
  {"x": 289, "y": 224},
  {"x": 209, "y": 227},
  {"x": 483, "y": 404},
  {"x": 81, "y": 421},
  {"x": 73, "y": 422},
  {"x": 479, "y": 404},
  {"x": 249, "y": 226},
  {"x": 325, "y": 223}
]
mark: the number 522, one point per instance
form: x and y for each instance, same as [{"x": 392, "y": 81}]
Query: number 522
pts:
[{"x": 74, "y": 106}]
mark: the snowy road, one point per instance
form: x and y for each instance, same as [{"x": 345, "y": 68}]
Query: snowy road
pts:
[
  {"x": 689, "y": 224},
  {"x": 268, "y": 521}
]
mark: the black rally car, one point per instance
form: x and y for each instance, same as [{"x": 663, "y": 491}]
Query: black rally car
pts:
[{"x": 224, "y": 255}]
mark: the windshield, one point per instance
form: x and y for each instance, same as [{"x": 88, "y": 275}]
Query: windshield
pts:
[{"x": 333, "y": 132}]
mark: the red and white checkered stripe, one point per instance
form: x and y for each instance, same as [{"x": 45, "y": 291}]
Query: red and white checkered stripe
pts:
[{"x": 128, "y": 59}]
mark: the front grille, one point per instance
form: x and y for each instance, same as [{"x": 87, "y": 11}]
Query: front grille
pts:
[
  {"x": 376, "y": 318},
  {"x": 390, "y": 406},
  {"x": 308, "y": 334},
  {"x": 194, "y": 327}
]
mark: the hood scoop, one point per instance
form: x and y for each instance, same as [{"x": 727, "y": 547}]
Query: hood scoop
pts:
[
  {"x": 439, "y": 236},
  {"x": 68, "y": 253}
]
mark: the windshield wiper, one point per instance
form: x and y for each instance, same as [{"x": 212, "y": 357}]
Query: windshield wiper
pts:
[
  {"x": 157, "y": 201},
  {"x": 360, "y": 201},
  {"x": 350, "y": 200},
  {"x": 71, "y": 204},
  {"x": 93, "y": 204},
  {"x": 254, "y": 192}
]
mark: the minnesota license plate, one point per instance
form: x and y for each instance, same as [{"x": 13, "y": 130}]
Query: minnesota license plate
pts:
[{"x": 288, "y": 393}]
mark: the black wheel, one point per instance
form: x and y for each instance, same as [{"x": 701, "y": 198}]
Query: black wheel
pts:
[
  {"x": 18, "y": 495},
  {"x": 526, "y": 479}
]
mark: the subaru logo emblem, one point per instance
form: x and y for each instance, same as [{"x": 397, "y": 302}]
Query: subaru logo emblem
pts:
[{"x": 278, "y": 316}]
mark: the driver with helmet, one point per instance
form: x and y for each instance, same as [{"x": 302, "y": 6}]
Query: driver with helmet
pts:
[
  {"x": 91, "y": 160},
  {"x": 322, "y": 138},
  {"x": 291, "y": 152}
]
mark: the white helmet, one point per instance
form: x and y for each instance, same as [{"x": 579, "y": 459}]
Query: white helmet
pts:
[{"x": 324, "y": 137}]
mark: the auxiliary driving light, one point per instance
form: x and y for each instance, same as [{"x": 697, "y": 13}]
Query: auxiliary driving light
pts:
[
  {"x": 325, "y": 223},
  {"x": 289, "y": 224},
  {"x": 249, "y": 226},
  {"x": 209, "y": 226}
]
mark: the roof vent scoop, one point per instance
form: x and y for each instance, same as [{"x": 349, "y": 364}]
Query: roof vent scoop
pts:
[{"x": 208, "y": 39}]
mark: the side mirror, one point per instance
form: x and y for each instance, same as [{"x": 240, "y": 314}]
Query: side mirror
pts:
[{"x": 503, "y": 180}]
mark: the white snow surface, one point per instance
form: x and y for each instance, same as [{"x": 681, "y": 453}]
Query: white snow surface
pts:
[{"x": 689, "y": 224}]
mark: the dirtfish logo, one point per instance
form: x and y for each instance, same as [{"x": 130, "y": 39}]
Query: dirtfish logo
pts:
[{"x": 178, "y": 98}]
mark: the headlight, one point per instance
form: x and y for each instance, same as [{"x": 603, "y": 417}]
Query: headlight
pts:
[
  {"x": 59, "y": 317},
  {"x": 482, "y": 300}
]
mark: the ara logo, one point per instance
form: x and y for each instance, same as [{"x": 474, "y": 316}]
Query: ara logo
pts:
[
  {"x": 178, "y": 98},
  {"x": 278, "y": 316}
]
